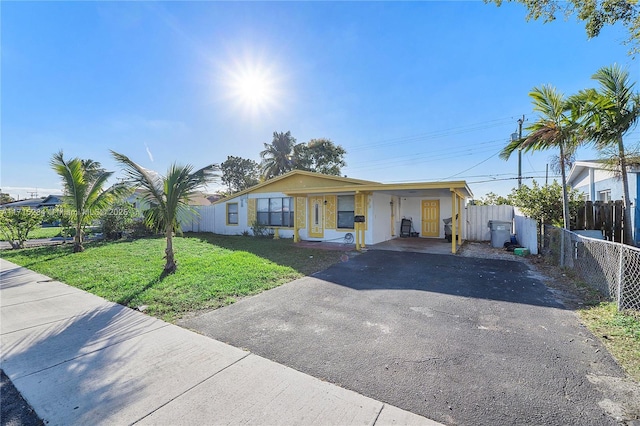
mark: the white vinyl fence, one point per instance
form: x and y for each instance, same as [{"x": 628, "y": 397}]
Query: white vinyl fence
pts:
[
  {"x": 478, "y": 218},
  {"x": 525, "y": 228},
  {"x": 202, "y": 221}
]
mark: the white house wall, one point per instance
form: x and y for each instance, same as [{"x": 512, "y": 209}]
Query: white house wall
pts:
[
  {"x": 411, "y": 208},
  {"x": 214, "y": 218},
  {"x": 380, "y": 217}
]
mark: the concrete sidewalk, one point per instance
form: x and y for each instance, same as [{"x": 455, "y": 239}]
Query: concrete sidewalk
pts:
[{"x": 78, "y": 359}]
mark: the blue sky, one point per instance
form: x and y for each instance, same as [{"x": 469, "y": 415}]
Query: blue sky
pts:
[{"x": 414, "y": 91}]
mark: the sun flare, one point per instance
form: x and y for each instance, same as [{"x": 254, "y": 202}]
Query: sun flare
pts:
[{"x": 253, "y": 88}]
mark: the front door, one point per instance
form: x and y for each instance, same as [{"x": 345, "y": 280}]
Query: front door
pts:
[
  {"x": 430, "y": 218},
  {"x": 316, "y": 220}
]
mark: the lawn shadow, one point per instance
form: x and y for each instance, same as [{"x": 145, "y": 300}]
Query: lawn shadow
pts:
[{"x": 126, "y": 300}]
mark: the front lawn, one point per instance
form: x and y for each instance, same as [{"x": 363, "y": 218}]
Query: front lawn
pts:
[{"x": 212, "y": 269}]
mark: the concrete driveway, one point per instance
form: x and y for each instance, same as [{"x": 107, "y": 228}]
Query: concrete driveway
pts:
[{"x": 458, "y": 340}]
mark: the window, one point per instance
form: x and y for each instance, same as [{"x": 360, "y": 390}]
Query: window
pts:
[
  {"x": 604, "y": 195},
  {"x": 275, "y": 211},
  {"x": 346, "y": 208},
  {"x": 232, "y": 213}
]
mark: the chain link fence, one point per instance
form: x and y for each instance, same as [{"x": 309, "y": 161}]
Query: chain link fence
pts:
[{"x": 611, "y": 268}]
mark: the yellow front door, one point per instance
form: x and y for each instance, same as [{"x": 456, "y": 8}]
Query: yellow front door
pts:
[
  {"x": 316, "y": 219},
  {"x": 430, "y": 218}
]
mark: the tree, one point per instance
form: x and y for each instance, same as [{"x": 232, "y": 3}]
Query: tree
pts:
[
  {"x": 557, "y": 127},
  {"x": 492, "y": 199},
  {"x": 169, "y": 195},
  {"x": 595, "y": 13},
  {"x": 5, "y": 198},
  {"x": 610, "y": 112},
  {"x": 545, "y": 203},
  {"x": 15, "y": 224},
  {"x": 277, "y": 157},
  {"x": 63, "y": 217},
  {"x": 83, "y": 182},
  {"x": 239, "y": 173},
  {"x": 320, "y": 156},
  {"x": 117, "y": 218}
]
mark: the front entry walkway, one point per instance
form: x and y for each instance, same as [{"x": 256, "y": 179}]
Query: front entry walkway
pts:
[{"x": 415, "y": 245}]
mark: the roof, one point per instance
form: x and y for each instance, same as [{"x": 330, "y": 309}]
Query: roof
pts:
[
  {"x": 336, "y": 184},
  {"x": 34, "y": 203},
  {"x": 318, "y": 178},
  {"x": 412, "y": 189},
  {"x": 580, "y": 166}
]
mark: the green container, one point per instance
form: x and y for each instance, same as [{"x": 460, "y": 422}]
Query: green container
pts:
[{"x": 521, "y": 252}]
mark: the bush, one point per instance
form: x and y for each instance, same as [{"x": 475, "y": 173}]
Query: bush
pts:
[
  {"x": 260, "y": 230},
  {"x": 117, "y": 220},
  {"x": 15, "y": 224}
]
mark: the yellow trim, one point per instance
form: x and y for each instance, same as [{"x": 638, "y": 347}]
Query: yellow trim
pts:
[
  {"x": 460, "y": 186},
  {"x": 316, "y": 202},
  {"x": 330, "y": 212},
  {"x": 251, "y": 211},
  {"x": 361, "y": 208},
  {"x": 294, "y": 173},
  {"x": 237, "y": 214},
  {"x": 454, "y": 223}
]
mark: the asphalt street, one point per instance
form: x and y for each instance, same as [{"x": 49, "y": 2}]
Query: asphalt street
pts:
[{"x": 460, "y": 340}]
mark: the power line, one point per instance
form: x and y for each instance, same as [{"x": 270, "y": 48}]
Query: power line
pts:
[{"x": 435, "y": 134}]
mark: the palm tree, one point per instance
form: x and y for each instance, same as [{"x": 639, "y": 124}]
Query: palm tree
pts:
[
  {"x": 610, "y": 112},
  {"x": 557, "y": 127},
  {"x": 83, "y": 182},
  {"x": 168, "y": 194},
  {"x": 277, "y": 156}
]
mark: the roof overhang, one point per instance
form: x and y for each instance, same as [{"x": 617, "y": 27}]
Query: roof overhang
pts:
[{"x": 416, "y": 189}]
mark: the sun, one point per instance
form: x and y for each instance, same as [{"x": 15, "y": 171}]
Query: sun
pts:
[{"x": 253, "y": 88}]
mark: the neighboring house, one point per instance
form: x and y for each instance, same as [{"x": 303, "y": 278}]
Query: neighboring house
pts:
[
  {"x": 600, "y": 184},
  {"x": 311, "y": 206},
  {"x": 139, "y": 203},
  {"x": 48, "y": 202}
]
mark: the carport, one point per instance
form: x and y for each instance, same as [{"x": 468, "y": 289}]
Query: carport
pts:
[{"x": 383, "y": 206}]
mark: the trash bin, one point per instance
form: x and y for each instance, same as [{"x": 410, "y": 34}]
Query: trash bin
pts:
[
  {"x": 447, "y": 229},
  {"x": 500, "y": 232}
]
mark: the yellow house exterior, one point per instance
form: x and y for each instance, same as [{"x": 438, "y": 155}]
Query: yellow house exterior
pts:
[{"x": 315, "y": 207}]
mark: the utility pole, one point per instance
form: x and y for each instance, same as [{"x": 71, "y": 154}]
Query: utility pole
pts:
[
  {"x": 546, "y": 176},
  {"x": 520, "y": 121}
]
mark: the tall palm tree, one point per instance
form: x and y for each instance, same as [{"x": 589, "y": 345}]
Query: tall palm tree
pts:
[
  {"x": 557, "y": 127},
  {"x": 277, "y": 156},
  {"x": 170, "y": 195},
  {"x": 610, "y": 112},
  {"x": 83, "y": 182}
]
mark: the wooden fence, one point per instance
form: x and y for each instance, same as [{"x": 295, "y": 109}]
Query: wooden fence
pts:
[{"x": 601, "y": 216}]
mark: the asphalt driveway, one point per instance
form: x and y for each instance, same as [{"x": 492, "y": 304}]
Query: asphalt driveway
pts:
[{"x": 458, "y": 340}]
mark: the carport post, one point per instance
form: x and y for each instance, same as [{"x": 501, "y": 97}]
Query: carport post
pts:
[
  {"x": 459, "y": 220},
  {"x": 454, "y": 221}
]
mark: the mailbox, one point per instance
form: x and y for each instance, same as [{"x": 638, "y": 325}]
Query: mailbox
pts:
[{"x": 358, "y": 219}]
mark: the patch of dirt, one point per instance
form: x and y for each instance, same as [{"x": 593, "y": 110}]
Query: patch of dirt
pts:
[{"x": 15, "y": 410}]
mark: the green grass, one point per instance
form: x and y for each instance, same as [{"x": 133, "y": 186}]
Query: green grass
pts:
[
  {"x": 213, "y": 270},
  {"x": 619, "y": 331},
  {"x": 54, "y": 231}
]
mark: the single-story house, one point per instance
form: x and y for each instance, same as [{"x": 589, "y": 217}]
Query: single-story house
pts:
[
  {"x": 601, "y": 184},
  {"x": 316, "y": 207}
]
